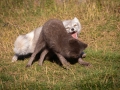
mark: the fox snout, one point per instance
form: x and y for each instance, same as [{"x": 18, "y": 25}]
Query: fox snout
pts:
[{"x": 72, "y": 29}]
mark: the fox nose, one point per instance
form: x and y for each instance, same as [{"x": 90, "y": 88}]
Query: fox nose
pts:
[{"x": 72, "y": 29}]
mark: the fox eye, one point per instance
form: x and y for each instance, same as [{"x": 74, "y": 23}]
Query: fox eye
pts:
[
  {"x": 75, "y": 25},
  {"x": 67, "y": 27}
]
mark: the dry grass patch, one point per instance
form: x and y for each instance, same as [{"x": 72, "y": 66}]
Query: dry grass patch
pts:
[{"x": 100, "y": 29}]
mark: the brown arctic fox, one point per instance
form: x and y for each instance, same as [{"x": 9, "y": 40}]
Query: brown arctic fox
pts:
[{"x": 54, "y": 37}]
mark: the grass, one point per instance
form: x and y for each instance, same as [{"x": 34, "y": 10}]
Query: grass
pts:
[{"x": 100, "y": 30}]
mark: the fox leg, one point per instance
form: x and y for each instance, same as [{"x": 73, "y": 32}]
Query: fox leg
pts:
[
  {"x": 63, "y": 60},
  {"x": 81, "y": 62},
  {"x": 39, "y": 46},
  {"x": 42, "y": 56}
]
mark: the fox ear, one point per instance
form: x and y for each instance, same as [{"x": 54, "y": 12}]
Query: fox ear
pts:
[
  {"x": 75, "y": 19},
  {"x": 85, "y": 45}
]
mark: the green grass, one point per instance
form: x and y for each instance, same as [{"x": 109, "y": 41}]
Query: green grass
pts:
[{"x": 100, "y": 30}]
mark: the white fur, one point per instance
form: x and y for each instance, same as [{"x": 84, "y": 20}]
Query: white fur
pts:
[
  {"x": 72, "y": 25},
  {"x": 25, "y": 44}
]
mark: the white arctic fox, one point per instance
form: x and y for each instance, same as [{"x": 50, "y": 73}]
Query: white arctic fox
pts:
[{"x": 25, "y": 44}]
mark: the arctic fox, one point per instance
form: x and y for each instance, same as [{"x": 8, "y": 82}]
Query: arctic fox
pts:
[
  {"x": 25, "y": 44},
  {"x": 55, "y": 38}
]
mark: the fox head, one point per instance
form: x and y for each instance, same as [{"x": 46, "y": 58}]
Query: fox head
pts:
[
  {"x": 76, "y": 47},
  {"x": 72, "y": 26}
]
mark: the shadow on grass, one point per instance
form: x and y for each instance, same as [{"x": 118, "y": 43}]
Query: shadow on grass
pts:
[{"x": 50, "y": 56}]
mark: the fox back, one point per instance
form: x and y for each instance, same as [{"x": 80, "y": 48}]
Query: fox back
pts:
[{"x": 58, "y": 40}]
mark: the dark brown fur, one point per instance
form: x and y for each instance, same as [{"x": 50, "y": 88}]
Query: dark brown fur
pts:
[{"x": 54, "y": 37}]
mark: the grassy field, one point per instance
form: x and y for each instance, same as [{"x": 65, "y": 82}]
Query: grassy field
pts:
[{"x": 100, "y": 21}]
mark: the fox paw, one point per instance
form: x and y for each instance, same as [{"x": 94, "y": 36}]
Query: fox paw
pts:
[{"x": 14, "y": 58}]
